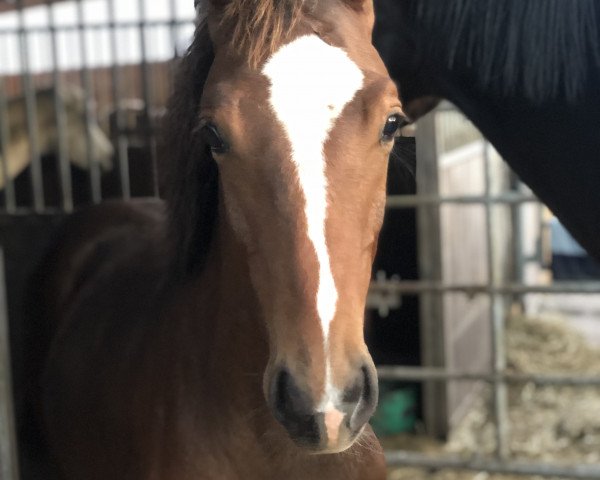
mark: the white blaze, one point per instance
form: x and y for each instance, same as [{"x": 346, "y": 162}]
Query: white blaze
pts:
[{"x": 311, "y": 83}]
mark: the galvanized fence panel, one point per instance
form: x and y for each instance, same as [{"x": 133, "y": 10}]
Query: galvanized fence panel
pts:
[
  {"x": 498, "y": 290},
  {"x": 125, "y": 54}
]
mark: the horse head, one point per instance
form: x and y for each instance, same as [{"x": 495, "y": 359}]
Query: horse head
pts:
[{"x": 299, "y": 116}]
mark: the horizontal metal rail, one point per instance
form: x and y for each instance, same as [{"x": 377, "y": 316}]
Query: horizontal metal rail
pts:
[
  {"x": 98, "y": 26},
  {"x": 416, "y": 287},
  {"x": 411, "y": 459},
  {"x": 409, "y": 201},
  {"x": 26, "y": 211},
  {"x": 429, "y": 373}
]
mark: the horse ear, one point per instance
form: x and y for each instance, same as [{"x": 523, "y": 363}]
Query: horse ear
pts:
[
  {"x": 202, "y": 5},
  {"x": 217, "y": 3},
  {"x": 364, "y": 8},
  {"x": 421, "y": 106},
  {"x": 359, "y": 5}
]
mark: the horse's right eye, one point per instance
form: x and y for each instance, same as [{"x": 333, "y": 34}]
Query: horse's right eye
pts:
[{"x": 211, "y": 135}]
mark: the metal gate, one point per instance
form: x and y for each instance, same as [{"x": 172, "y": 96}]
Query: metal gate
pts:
[
  {"x": 83, "y": 62},
  {"x": 502, "y": 289}
]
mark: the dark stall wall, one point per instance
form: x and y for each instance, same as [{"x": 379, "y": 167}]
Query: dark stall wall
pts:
[{"x": 395, "y": 339}]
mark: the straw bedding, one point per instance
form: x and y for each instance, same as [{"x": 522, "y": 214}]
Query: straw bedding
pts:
[{"x": 547, "y": 424}]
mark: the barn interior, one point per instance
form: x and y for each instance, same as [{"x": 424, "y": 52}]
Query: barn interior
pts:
[{"x": 483, "y": 315}]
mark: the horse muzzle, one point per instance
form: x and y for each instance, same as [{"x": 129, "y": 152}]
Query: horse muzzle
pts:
[{"x": 329, "y": 426}]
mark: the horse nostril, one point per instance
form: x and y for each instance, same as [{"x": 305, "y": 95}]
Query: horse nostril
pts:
[
  {"x": 362, "y": 389},
  {"x": 287, "y": 399},
  {"x": 370, "y": 389},
  {"x": 353, "y": 394},
  {"x": 279, "y": 395},
  {"x": 293, "y": 408},
  {"x": 363, "y": 396}
]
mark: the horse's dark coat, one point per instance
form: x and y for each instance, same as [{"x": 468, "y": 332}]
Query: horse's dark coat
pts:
[{"x": 527, "y": 74}]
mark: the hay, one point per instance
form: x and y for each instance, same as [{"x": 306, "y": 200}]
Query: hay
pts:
[
  {"x": 549, "y": 345},
  {"x": 547, "y": 424}
]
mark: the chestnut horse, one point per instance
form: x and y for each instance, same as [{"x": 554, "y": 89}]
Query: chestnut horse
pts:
[{"x": 221, "y": 336}]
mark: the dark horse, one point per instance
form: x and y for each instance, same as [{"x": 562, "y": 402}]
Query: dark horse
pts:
[
  {"x": 526, "y": 72},
  {"x": 220, "y": 336}
]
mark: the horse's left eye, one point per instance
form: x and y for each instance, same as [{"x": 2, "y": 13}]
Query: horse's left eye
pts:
[
  {"x": 392, "y": 126},
  {"x": 211, "y": 135}
]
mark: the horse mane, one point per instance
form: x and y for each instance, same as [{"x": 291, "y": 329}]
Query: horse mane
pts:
[
  {"x": 257, "y": 26},
  {"x": 191, "y": 186},
  {"x": 542, "y": 49}
]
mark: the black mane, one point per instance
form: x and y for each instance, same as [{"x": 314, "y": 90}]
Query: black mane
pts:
[
  {"x": 191, "y": 186},
  {"x": 526, "y": 73},
  {"x": 537, "y": 49}
]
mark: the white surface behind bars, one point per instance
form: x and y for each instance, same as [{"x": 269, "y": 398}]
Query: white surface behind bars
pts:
[{"x": 95, "y": 12}]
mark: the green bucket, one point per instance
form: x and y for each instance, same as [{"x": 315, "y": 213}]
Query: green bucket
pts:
[{"x": 396, "y": 412}]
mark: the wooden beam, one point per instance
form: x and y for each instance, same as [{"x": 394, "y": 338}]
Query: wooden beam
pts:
[
  {"x": 431, "y": 305},
  {"x": 10, "y": 5}
]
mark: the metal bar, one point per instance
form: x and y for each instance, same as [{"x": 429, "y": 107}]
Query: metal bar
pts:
[
  {"x": 122, "y": 144},
  {"x": 174, "y": 32},
  {"x": 37, "y": 185},
  {"x": 173, "y": 24},
  {"x": 9, "y": 469},
  {"x": 425, "y": 374},
  {"x": 146, "y": 89},
  {"x": 410, "y": 201},
  {"x": 25, "y": 211},
  {"x": 9, "y": 5},
  {"x": 431, "y": 308},
  {"x": 98, "y": 26},
  {"x": 86, "y": 80},
  {"x": 411, "y": 459},
  {"x": 516, "y": 214},
  {"x": 497, "y": 313},
  {"x": 10, "y": 201},
  {"x": 64, "y": 168},
  {"x": 545, "y": 249},
  {"x": 419, "y": 287}
]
